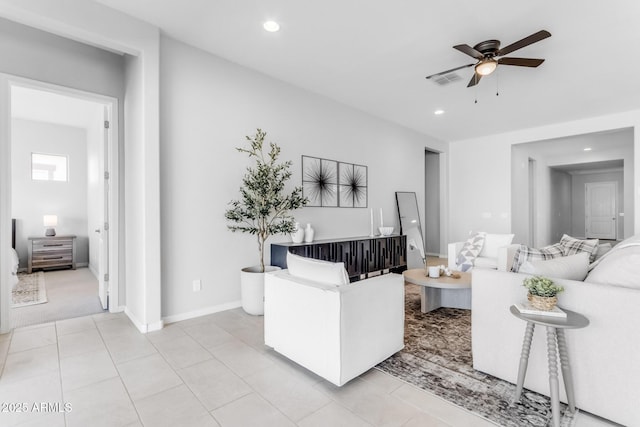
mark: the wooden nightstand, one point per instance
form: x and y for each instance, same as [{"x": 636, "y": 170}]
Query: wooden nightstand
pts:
[{"x": 46, "y": 252}]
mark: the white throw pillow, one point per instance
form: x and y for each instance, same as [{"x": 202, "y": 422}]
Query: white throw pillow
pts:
[
  {"x": 329, "y": 273},
  {"x": 572, "y": 267},
  {"x": 15, "y": 261},
  {"x": 525, "y": 253},
  {"x": 603, "y": 248},
  {"x": 470, "y": 250},
  {"x": 620, "y": 267},
  {"x": 493, "y": 242},
  {"x": 572, "y": 246}
]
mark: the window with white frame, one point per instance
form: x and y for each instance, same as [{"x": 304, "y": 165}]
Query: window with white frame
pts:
[{"x": 49, "y": 167}]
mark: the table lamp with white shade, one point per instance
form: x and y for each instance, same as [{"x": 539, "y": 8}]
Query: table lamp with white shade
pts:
[{"x": 50, "y": 221}]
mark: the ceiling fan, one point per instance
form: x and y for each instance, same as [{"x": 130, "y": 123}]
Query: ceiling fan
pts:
[{"x": 489, "y": 56}]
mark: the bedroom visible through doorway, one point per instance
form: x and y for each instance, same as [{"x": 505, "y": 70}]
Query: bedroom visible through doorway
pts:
[{"x": 60, "y": 202}]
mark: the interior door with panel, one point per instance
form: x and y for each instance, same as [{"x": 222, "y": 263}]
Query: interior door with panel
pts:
[
  {"x": 600, "y": 210},
  {"x": 103, "y": 229}
]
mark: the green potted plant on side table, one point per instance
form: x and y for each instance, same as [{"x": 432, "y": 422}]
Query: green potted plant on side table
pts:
[
  {"x": 263, "y": 210},
  {"x": 542, "y": 292}
]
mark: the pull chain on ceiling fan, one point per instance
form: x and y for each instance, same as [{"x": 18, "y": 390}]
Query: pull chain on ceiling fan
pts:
[{"x": 489, "y": 56}]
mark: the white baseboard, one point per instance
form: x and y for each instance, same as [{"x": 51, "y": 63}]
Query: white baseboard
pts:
[
  {"x": 118, "y": 309},
  {"x": 201, "y": 312},
  {"x": 436, "y": 255},
  {"x": 144, "y": 327},
  {"x": 93, "y": 271}
]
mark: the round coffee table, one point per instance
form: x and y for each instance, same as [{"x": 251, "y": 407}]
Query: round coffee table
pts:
[{"x": 442, "y": 291}]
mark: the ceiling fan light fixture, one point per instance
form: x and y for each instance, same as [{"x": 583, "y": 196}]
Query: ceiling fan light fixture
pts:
[
  {"x": 271, "y": 26},
  {"x": 486, "y": 67}
]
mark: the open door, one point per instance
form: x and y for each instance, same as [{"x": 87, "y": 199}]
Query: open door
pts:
[{"x": 103, "y": 230}]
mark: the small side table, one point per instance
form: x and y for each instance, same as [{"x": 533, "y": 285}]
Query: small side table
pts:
[{"x": 555, "y": 335}]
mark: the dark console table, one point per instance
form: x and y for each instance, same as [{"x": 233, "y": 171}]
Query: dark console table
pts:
[{"x": 362, "y": 256}]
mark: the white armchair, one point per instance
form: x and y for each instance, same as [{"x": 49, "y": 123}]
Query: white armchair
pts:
[
  {"x": 338, "y": 332},
  {"x": 496, "y": 254}
]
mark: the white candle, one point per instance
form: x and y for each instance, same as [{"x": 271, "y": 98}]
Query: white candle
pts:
[
  {"x": 381, "y": 220},
  {"x": 371, "y": 223}
]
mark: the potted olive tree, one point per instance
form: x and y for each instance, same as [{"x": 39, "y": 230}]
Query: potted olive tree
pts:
[{"x": 263, "y": 210}]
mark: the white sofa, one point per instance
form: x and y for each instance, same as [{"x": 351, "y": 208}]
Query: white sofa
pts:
[
  {"x": 501, "y": 261},
  {"x": 603, "y": 355},
  {"x": 338, "y": 332}
]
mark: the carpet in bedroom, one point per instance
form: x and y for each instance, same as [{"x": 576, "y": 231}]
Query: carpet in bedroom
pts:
[
  {"x": 30, "y": 290},
  {"x": 70, "y": 293}
]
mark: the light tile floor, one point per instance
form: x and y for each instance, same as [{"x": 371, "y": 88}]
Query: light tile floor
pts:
[{"x": 209, "y": 371}]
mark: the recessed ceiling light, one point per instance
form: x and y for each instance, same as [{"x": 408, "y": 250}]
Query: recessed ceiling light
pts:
[
  {"x": 438, "y": 112},
  {"x": 587, "y": 149},
  {"x": 271, "y": 26}
]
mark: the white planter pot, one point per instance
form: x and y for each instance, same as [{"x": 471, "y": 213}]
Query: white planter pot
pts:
[{"x": 252, "y": 289}]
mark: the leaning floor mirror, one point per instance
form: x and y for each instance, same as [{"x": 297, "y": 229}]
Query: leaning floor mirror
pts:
[{"x": 410, "y": 226}]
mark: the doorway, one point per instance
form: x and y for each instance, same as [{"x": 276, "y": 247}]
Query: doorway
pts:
[
  {"x": 63, "y": 154},
  {"x": 532, "y": 199},
  {"x": 601, "y": 210},
  {"x": 432, "y": 206}
]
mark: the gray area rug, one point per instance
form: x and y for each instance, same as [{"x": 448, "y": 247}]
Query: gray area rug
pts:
[
  {"x": 70, "y": 293},
  {"x": 437, "y": 358},
  {"x": 30, "y": 290}
]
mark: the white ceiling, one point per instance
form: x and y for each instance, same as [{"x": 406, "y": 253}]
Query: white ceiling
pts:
[
  {"x": 585, "y": 168},
  {"x": 49, "y": 107},
  {"x": 373, "y": 55}
]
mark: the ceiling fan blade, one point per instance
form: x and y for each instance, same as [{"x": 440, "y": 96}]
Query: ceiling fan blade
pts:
[
  {"x": 521, "y": 62},
  {"x": 465, "y": 48},
  {"x": 533, "y": 38},
  {"x": 475, "y": 79},
  {"x": 449, "y": 71}
]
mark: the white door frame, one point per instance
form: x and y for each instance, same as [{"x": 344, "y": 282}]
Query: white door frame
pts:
[{"x": 6, "y": 82}]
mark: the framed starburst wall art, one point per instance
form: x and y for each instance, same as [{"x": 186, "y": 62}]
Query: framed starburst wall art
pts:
[{"x": 329, "y": 183}]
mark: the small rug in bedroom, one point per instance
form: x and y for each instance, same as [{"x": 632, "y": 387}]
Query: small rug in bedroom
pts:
[
  {"x": 437, "y": 358},
  {"x": 30, "y": 290}
]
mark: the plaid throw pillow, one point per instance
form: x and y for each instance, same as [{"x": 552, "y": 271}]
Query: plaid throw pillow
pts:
[
  {"x": 470, "y": 251},
  {"x": 573, "y": 246},
  {"x": 525, "y": 253}
]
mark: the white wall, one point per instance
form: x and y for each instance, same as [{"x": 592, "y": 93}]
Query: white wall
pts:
[
  {"x": 479, "y": 175},
  {"x": 32, "y": 199},
  {"x": 143, "y": 239},
  {"x": 561, "y": 205},
  {"x": 521, "y": 199},
  {"x": 481, "y": 200},
  {"x": 208, "y": 106},
  {"x": 134, "y": 196}
]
